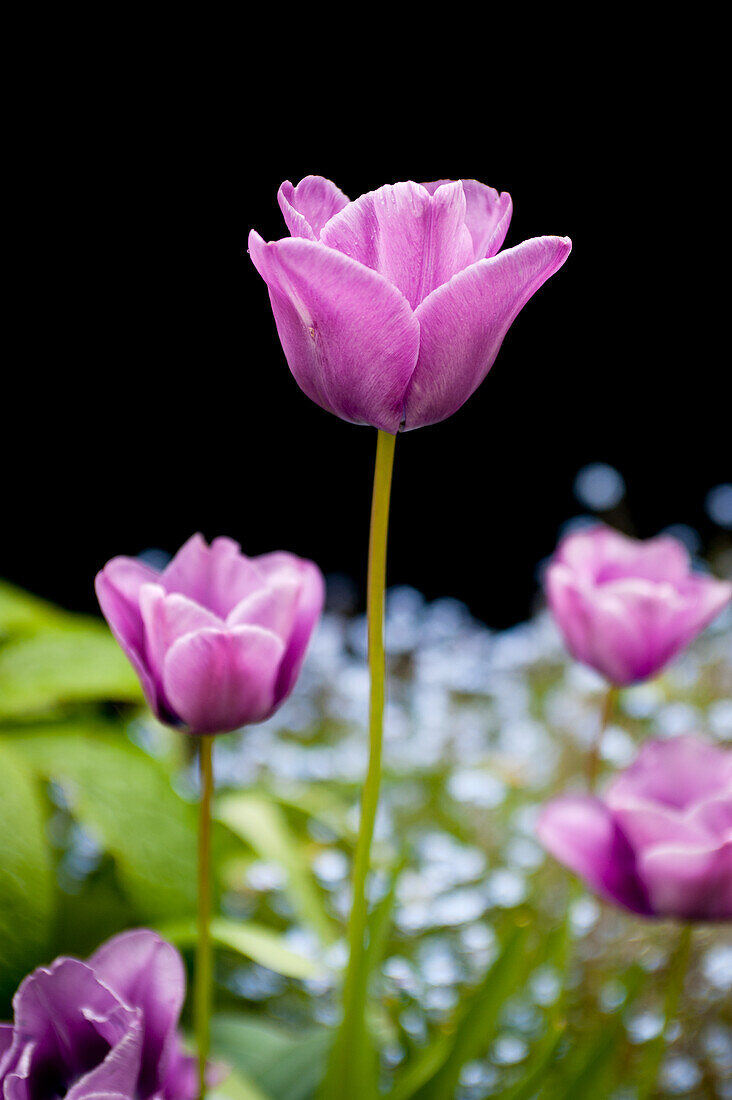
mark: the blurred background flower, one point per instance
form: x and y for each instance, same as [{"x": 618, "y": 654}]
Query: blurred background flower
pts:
[
  {"x": 626, "y": 607},
  {"x": 659, "y": 841}
]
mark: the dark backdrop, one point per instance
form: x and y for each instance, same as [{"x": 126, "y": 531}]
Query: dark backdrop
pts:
[{"x": 148, "y": 396}]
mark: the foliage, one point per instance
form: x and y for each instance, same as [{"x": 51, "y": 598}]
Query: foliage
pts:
[{"x": 491, "y": 975}]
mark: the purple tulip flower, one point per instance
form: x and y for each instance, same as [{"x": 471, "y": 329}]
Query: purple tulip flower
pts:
[
  {"x": 659, "y": 842},
  {"x": 626, "y": 607},
  {"x": 101, "y": 1030},
  {"x": 391, "y": 309},
  {"x": 217, "y": 639}
]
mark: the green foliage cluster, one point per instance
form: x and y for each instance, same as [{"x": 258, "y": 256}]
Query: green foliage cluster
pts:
[{"x": 98, "y": 834}]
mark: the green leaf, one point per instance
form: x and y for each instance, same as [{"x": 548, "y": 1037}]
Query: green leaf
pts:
[
  {"x": 283, "y": 1065},
  {"x": 61, "y": 666},
  {"x": 590, "y": 1068},
  {"x": 541, "y": 1059},
  {"x": 248, "y": 1043},
  {"x": 421, "y": 1069},
  {"x": 236, "y": 1087},
  {"x": 253, "y": 941},
  {"x": 362, "y": 1055},
  {"x": 26, "y": 875},
  {"x": 477, "y": 1024},
  {"x": 264, "y": 827},
  {"x": 125, "y": 799},
  {"x": 297, "y": 1074},
  {"x": 21, "y": 613}
]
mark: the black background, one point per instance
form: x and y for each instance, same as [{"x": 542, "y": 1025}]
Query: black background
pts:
[{"x": 146, "y": 392}]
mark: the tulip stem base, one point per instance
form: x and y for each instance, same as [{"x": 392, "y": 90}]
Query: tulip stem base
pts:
[
  {"x": 678, "y": 965},
  {"x": 593, "y": 757},
  {"x": 351, "y": 1069},
  {"x": 204, "y": 955}
]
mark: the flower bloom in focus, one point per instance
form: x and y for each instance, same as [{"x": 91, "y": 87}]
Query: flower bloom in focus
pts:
[
  {"x": 659, "y": 842},
  {"x": 217, "y": 639},
  {"x": 626, "y": 607},
  {"x": 391, "y": 309},
  {"x": 101, "y": 1030}
]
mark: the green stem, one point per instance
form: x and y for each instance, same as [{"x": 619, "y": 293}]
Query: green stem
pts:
[
  {"x": 676, "y": 975},
  {"x": 349, "y": 1073},
  {"x": 204, "y": 963},
  {"x": 593, "y": 758}
]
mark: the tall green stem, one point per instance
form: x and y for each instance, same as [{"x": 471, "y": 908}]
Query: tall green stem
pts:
[
  {"x": 676, "y": 975},
  {"x": 593, "y": 758},
  {"x": 204, "y": 968},
  {"x": 349, "y": 1073}
]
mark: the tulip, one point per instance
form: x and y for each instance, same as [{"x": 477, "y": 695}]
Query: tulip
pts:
[
  {"x": 626, "y": 607},
  {"x": 391, "y": 309},
  {"x": 106, "y": 1029},
  {"x": 217, "y": 639},
  {"x": 659, "y": 842}
]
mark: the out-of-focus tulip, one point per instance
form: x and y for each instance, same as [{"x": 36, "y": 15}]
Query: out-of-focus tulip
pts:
[
  {"x": 104, "y": 1029},
  {"x": 217, "y": 639},
  {"x": 391, "y": 309},
  {"x": 626, "y": 607},
  {"x": 660, "y": 840}
]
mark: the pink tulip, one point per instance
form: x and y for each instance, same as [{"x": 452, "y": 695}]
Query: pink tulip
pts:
[
  {"x": 627, "y": 607},
  {"x": 660, "y": 841},
  {"x": 217, "y": 639},
  {"x": 391, "y": 309}
]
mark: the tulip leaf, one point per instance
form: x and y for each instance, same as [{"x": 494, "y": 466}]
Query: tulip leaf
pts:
[
  {"x": 125, "y": 799},
  {"x": 59, "y": 667},
  {"x": 544, "y": 1054},
  {"x": 253, "y": 941},
  {"x": 285, "y": 1066},
  {"x": 478, "y": 1021},
  {"x": 263, "y": 825},
  {"x": 26, "y": 874},
  {"x": 237, "y": 1087},
  {"x": 590, "y": 1068},
  {"x": 22, "y": 613}
]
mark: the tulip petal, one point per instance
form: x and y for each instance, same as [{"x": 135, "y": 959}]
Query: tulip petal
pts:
[
  {"x": 273, "y": 607},
  {"x": 463, "y": 323},
  {"x": 646, "y": 824},
  {"x": 417, "y": 241},
  {"x": 278, "y": 568},
  {"x": 568, "y": 603},
  {"x": 219, "y": 680},
  {"x": 350, "y": 338},
  {"x": 165, "y": 619},
  {"x": 118, "y": 1072},
  {"x": 705, "y": 597},
  {"x": 118, "y": 590},
  {"x": 487, "y": 216},
  {"x": 309, "y": 609},
  {"x": 601, "y": 554},
  {"x": 217, "y": 576},
  {"x": 580, "y": 832},
  {"x": 636, "y": 625},
  {"x": 678, "y": 773},
  {"x": 147, "y": 973},
  {"x": 74, "y": 1020},
  {"x": 689, "y": 883},
  {"x": 714, "y": 815},
  {"x": 6, "y": 1040},
  {"x": 307, "y": 207}
]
